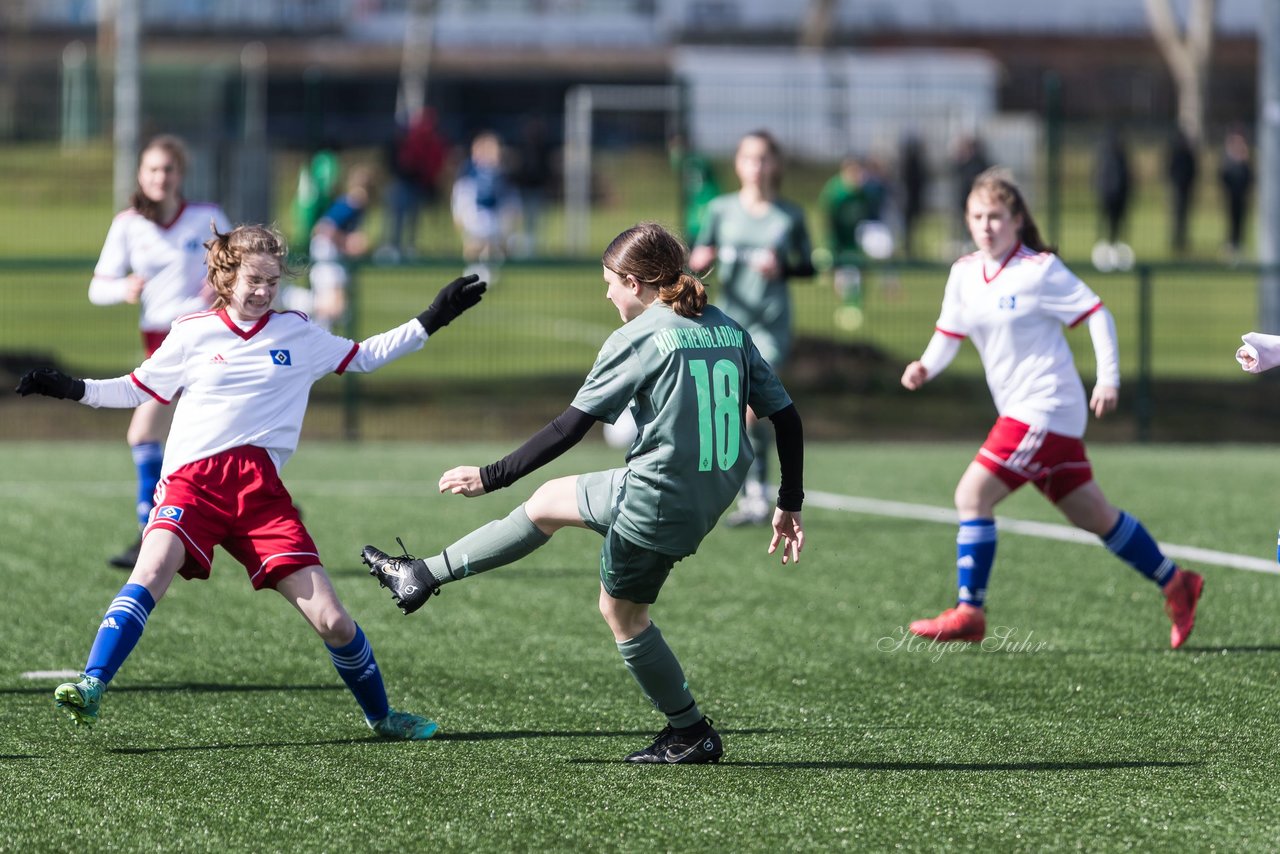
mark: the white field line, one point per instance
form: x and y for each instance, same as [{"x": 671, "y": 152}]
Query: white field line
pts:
[
  {"x": 826, "y": 500},
  {"x": 1044, "y": 530}
]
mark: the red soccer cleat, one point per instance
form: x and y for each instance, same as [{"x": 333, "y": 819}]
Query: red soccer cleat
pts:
[
  {"x": 961, "y": 623},
  {"x": 1181, "y": 595}
]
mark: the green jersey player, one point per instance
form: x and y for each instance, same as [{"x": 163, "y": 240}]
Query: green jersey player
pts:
[
  {"x": 757, "y": 241},
  {"x": 688, "y": 372}
]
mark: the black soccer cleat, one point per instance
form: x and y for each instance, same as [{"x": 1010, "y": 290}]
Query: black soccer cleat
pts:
[
  {"x": 127, "y": 558},
  {"x": 682, "y": 748},
  {"x": 410, "y": 582}
]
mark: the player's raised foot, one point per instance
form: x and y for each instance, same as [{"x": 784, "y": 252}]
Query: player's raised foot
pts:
[
  {"x": 81, "y": 700},
  {"x": 1181, "y": 595},
  {"x": 410, "y": 582},
  {"x": 961, "y": 623},
  {"x": 695, "y": 745},
  {"x": 127, "y": 558},
  {"x": 404, "y": 726}
]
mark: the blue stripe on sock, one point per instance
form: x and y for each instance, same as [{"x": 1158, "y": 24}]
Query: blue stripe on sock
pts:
[
  {"x": 119, "y": 631},
  {"x": 359, "y": 670},
  {"x": 1130, "y": 541}
]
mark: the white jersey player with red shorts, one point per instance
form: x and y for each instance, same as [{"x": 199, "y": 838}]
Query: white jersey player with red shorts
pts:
[
  {"x": 168, "y": 256},
  {"x": 1015, "y": 315},
  {"x": 1013, "y": 298},
  {"x": 154, "y": 257},
  {"x": 244, "y": 394},
  {"x": 245, "y": 372}
]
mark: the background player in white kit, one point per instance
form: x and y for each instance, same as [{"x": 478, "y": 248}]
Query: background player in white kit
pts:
[
  {"x": 1012, "y": 298},
  {"x": 153, "y": 257},
  {"x": 245, "y": 372}
]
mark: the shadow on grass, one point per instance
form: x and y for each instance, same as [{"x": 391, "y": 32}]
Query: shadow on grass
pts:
[
  {"x": 250, "y": 745},
  {"x": 934, "y": 766},
  {"x": 375, "y": 740},
  {"x": 517, "y": 734}
]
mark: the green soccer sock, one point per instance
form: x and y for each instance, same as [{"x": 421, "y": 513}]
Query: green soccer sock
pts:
[
  {"x": 499, "y": 543},
  {"x": 655, "y": 667}
]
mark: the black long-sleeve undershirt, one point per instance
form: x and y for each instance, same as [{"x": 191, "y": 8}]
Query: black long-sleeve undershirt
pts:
[
  {"x": 569, "y": 427},
  {"x": 789, "y": 435},
  {"x": 565, "y": 430}
]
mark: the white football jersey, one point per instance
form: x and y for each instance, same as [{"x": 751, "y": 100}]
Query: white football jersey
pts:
[
  {"x": 1015, "y": 313},
  {"x": 244, "y": 386},
  {"x": 170, "y": 258}
]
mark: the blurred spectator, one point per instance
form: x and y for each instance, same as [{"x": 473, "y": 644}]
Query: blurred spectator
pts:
[
  {"x": 1236, "y": 175},
  {"x": 317, "y": 186},
  {"x": 486, "y": 205},
  {"x": 914, "y": 175},
  {"x": 759, "y": 242},
  {"x": 336, "y": 238},
  {"x": 968, "y": 161},
  {"x": 698, "y": 184},
  {"x": 1111, "y": 182},
  {"x": 849, "y": 201},
  {"x": 1181, "y": 170},
  {"x": 533, "y": 177},
  {"x": 416, "y": 157}
]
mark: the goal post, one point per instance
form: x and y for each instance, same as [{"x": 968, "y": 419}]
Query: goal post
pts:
[{"x": 580, "y": 107}]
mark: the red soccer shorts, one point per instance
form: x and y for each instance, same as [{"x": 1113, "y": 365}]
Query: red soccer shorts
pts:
[
  {"x": 151, "y": 341},
  {"x": 1017, "y": 453},
  {"x": 235, "y": 500}
]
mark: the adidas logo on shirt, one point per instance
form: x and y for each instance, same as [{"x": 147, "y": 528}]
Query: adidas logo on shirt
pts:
[{"x": 217, "y": 360}]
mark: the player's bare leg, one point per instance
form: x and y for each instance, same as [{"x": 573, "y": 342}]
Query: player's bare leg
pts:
[{"x": 311, "y": 592}]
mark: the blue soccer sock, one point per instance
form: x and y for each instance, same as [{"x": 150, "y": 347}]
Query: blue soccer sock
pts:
[
  {"x": 119, "y": 631},
  {"x": 147, "y": 459},
  {"x": 357, "y": 667},
  {"x": 975, "y": 553},
  {"x": 1130, "y": 542}
]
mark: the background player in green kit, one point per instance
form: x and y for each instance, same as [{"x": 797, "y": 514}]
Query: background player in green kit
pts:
[
  {"x": 688, "y": 372},
  {"x": 758, "y": 241}
]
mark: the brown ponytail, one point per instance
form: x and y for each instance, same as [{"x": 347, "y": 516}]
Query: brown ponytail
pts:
[
  {"x": 226, "y": 252},
  {"x": 687, "y": 296},
  {"x": 656, "y": 258}
]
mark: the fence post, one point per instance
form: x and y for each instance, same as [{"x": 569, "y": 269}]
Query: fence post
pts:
[
  {"x": 1053, "y": 157},
  {"x": 1144, "y": 406},
  {"x": 350, "y": 383}
]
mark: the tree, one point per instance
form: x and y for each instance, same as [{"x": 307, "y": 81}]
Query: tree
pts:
[{"x": 1187, "y": 56}]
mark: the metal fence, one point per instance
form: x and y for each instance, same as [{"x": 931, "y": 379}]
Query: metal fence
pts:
[{"x": 515, "y": 362}]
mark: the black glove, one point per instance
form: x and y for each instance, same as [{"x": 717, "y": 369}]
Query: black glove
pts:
[
  {"x": 51, "y": 383},
  {"x": 453, "y": 299}
]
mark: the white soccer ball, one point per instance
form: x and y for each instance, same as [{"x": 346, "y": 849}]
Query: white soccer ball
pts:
[
  {"x": 621, "y": 433},
  {"x": 876, "y": 239}
]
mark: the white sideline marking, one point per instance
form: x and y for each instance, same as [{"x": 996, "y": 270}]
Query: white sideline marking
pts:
[
  {"x": 51, "y": 674},
  {"x": 826, "y": 500},
  {"x": 1044, "y": 530}
]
